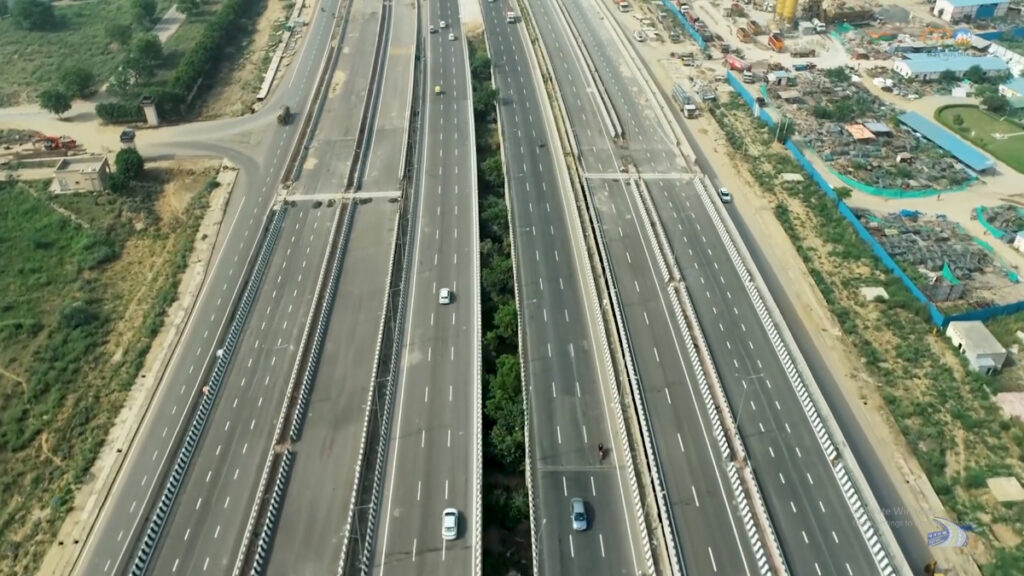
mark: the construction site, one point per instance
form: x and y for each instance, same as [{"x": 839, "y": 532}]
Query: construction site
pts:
[
  {"x": 952, "y": 267},
  {"x": 858, "y": 134}
]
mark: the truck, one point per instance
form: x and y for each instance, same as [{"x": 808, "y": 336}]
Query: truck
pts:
[
  {"x": 510, "y": 17},
  {"x": 736, "y": 63},
  {"x": 803, "y": 52},
  {"x": 754, "y": 28},
  {"x": 775, "y": 41},
  {"x": 819, "y": 26},
  {"x": 284, "y": 115},
  {"x": 743, "y": 35}
]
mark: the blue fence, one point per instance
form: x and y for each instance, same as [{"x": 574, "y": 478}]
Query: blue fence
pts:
[
  {"x": 937, "y": 317},
  {"x": 686, "y": 24}
]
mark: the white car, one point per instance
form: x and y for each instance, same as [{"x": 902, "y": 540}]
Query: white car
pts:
[
  {"x": 444, "y": 296},
  {"x": 433, "y": 30},
  {"x": 450, "y": 524},
  {"x": 443, "y": 24},
  {"x": 724, "y": 195},
  {"x": 451, "y": 36}
]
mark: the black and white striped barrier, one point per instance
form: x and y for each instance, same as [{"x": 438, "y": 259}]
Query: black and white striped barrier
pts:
[
  {"x": 343, "y": 558},
  {"x": 880, "y": 551},
  {"x": 640, "y": 403},
  {"x": 478, "y": 387},
  {"x": 187, "y": 450},
  {"x": 660, "y": 245},
  {"x": 262, "y": 553},
  {"x": 286, "y": 405}
]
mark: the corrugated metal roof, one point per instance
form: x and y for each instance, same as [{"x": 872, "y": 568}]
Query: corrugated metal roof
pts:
[
  {"x": 877, "y": 128},
  {"x": 948, "y": 141},
  {"x": 976, "y": 337},
  {"x": 859, "y": 132},
  {"x": 1017, "y": 85},
  {"x": 970, "y": 3},
  {"x": 933, "y": 63}
]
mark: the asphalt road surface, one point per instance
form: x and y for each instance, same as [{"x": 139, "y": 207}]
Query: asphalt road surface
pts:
[
  {"x": 814, "y": 524},
  {"x": 205, "y": 527},
  {"x": 693, "y": 468},
  {"x": 308, "y": 539},
  {"x": 309, "y": 533},
  {"x": 907, "y": 535},
  {"x": 109, "y": 547},
  {"x": 570, "y": 402},
  {"x": 432, "y": 454}
]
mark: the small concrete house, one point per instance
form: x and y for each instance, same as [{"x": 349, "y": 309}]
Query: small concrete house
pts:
[
  {"x": 962, "y": 10},
  {"x": 984, "y": 353},
  {"x": 80, "y": 174}
]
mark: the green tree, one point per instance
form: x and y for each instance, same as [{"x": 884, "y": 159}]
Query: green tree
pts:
[
  {"x": 503, "y": 336},
  {"x": 189, "y": 7},
  {"x": 77, "y": 315},
  {"x": 498, "y": 278},
  {"x": 504, "y": 407},
  {"x": 492, "y": 173},
  {"x": 55, "y": 100},
  {"x": 480, "y": 66},
  {"x": 119, "y": 33},
  {"x": 975, "y": 74},
  {"x": 77, "y": 80},
  {"x": 484, "y": 98},
  {"x": 129, "y": 164},
  {"x": 843, "y": 193},
  {"x": 839, "y": 75},
  {"x": 33, "y": 15},
  {"x": 144, "y": 12},
  {"x": 958, "y": 120},
  {"x": 996, "y": 103},
  {"x": 4, "y": 9},
  {"x": 948, "y": 77},
  {"x": 144, "y": 56}
]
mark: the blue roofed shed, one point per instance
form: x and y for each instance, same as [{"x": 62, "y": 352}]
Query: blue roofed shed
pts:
[
  {"x": 931, "y": 66},
  {"x": 964, "y": 152}
]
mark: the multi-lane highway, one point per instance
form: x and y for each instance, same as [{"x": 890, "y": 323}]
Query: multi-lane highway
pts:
[
  {"x": 817, "y": 530},
  {"x": 109, "y": 545},
  {"x": 313, "y": 520},
  {"x": 207, "y": 523},
  {"x": 432, "y": 454},
  {"x": 571, "y": 408},
  {"x": 693, "y": 467}
]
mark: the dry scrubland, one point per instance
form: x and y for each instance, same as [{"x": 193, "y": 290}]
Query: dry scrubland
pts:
[
  {"x": 81, "y": 303},
  {"x": 946, "y": 414}
]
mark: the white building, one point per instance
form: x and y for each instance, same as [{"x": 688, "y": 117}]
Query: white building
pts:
[
  {"x": 80, "y": 174},
  {"x": 931, "y": 66},
  {"x": 984, "y": 353},
  {"x": 961, "y": 10}
]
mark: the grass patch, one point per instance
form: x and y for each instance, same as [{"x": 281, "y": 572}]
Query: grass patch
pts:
[
  {"x": 506, "y": 513},
  {"x": 980, "y": 127},
  {"x": 80, "y": 308},
  {"x": 32, "y": 59},
  {"x": 946, "y": 414}
]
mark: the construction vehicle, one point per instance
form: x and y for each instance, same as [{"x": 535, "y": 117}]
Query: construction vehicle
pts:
[
  {"x": 51, "y": 143},
  {"x": 754, "y": 28},
  {"x": 284, "y": 116},
  {"x": 735, "y": 63},
  {"x": 743, "y": 35},
  {"x": 775, "y": 41}
]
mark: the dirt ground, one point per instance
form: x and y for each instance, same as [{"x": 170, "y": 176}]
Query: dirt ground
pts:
[{"x": 236, "y": 90}]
